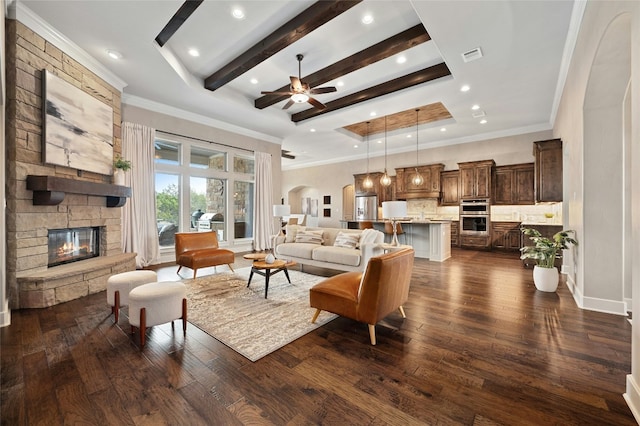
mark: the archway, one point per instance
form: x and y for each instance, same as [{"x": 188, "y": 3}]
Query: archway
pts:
[{"x": 606, "y": 190}]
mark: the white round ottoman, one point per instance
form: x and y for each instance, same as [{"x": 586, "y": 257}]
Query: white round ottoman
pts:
[
  {"x": 157, "y": 303},
  {"x": 119, "y": 286}
]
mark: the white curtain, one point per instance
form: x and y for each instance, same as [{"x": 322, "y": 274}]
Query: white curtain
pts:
[
  {"x": 264, "y": 201},
  {"x": 139, "y": 230}
]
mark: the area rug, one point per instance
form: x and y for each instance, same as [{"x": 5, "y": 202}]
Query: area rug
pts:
[{"x": 222, "y": 306}]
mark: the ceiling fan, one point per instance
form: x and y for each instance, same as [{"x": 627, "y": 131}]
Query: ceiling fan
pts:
[{"x": 301, "y": 92}]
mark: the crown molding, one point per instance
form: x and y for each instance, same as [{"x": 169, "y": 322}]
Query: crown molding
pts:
[
  {"x": 158, "y": 107},
  {"x": 20, "y": 12}
]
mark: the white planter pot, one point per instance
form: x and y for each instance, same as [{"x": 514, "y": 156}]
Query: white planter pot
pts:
[
  {"x": 118, "y": 177},
  {"x": 545, "y": 279}
]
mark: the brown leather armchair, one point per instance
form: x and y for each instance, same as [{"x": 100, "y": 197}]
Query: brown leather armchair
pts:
[
  {"x": 199, "y": 250},
  {"x": 385, "y": 288}
]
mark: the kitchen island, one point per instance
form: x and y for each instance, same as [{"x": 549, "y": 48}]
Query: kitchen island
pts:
[{"x": 430, "y": 239}]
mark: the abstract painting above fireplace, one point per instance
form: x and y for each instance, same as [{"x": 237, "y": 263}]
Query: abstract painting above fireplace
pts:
[{"x": 73, "y": 244}]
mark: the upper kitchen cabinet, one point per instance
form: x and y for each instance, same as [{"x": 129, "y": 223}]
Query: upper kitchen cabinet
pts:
[
  {"x": 548, "y": 170},
  {"x": 475, "y": 179},
  {"x": 450, "y": 184},
  {"x": 430, "y": 188},
  {"x": 513, "y": 184}
]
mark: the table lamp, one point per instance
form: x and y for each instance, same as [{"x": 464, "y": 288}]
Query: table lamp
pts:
[
  {"x": 281, "y": 210},
  {"x": 394, "y": 211}
]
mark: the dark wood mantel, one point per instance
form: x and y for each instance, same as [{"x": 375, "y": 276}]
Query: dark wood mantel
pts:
[{"x": 50, "y": 190}]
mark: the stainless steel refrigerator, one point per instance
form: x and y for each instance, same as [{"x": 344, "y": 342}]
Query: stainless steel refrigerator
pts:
[{"x": 366, "y": 207}]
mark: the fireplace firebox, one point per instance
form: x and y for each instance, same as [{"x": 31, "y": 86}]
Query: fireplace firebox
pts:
[{"x": 73, "y": 244}]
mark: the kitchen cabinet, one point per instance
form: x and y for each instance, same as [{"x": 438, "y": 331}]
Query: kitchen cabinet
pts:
[
  {"x": 513, "y": 184},
  {"x": 548, "y": 170},
  {"x": 450, "y": 185},
  {"x": 455, "y": 233},
  {"x": 546, "y": 231},
  {"x": 506, "y": 236},
  {"x": 475, "y": 242},
  {"x": 475, "y": 179},
  {"x": 405, "y": 189},
  {"x": 384, "y": 193}
]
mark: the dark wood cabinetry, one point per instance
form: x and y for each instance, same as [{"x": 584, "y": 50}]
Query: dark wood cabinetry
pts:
[
  {"x": 450, "y": 185},
  {"x": 513, "y": 184},
  {"x": 455, "y": 233},
  {"x": 475, "y": 179},
  {"x": 475, "y": 242},
  {"x": 548, "y": 170},
  {"x": 405, "y": 189},
  {"x": 384, "y": 193},
  {"x": 506, "y": 236}
]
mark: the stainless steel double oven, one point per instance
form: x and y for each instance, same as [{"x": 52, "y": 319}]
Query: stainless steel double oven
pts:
[{"x": 475, "y": 217}]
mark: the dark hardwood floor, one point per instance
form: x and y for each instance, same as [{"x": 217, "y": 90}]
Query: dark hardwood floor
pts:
[{"x": 480, "y": 346}]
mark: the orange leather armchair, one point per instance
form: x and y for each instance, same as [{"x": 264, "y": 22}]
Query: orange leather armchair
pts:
[
  {"x": 199, "y": 250},
  {"x": 384, "y": 288}
]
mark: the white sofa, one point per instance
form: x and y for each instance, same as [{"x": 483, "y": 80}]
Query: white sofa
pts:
[{"x": 326, "y": 255}]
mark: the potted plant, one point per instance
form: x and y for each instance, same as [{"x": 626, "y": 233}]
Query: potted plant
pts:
[
  {"x": 545, "y": 251},
  {"x": 120, "y": 165}
]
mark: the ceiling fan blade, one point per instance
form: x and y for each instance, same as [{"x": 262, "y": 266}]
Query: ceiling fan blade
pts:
[
  {"x": 288, "y": 104},
  {"x": 296, "y": 84},
  {"x": 316, "y": 103},
  {"x": 277, "y": 93},
  {"x": 320, "y": 90}
]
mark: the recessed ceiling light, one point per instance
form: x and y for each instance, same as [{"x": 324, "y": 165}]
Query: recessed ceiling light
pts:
[
  {"x": 475, "y": 107},
  {"x": 114, "y": 54},
  {"x": 340, "y": 83},
  {"x": 312, "y": 130},
  {"x": 254, "y": 81},
  {"x": 380, "y": 141},
  {"x": 401, "y": 59},
  {"x": 355, "y": 146},
  {"x": 194, "y": 52},
  {"x": 408, "y": 136},
  {"x": 443, "y": 129},
  {"x": 367, "y": 19},
  {"x": 465, "y": 88},
  {"x": 237, "y": 13},
  {"x": 372, "y": 114},
  {"x": 483, "y": 121}
]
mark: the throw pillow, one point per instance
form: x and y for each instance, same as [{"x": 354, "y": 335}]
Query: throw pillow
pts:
[
  {"x": 347, "y": 240},
  {"x": 291, "y": 231},
  {"x": 368, "y": 236},
  {"x": 311, "y": 237}
]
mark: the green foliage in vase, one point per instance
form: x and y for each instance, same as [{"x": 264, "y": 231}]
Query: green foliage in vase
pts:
[
  {"x": 122, "y": 164},
  {"x": 545, "y": 250}
]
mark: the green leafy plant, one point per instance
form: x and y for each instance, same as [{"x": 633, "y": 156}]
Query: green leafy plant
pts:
[
  {"x": 122, "y": 164},
  {"x": 545, "y": 250}
]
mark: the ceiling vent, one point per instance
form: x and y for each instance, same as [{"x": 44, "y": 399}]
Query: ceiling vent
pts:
[
  {"x": 472, "y": 55},
  {"x": 478, "y": 114}
]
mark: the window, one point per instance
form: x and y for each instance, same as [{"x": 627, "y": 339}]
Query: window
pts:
[{"x": 202, "y": 186}]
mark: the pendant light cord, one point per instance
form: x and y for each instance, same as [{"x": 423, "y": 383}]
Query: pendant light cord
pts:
[{"x": 417, "y": 162}]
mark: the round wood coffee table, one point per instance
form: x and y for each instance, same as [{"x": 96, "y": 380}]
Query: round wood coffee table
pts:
[
  {"x": 265, "y": 269},
  {"x": 255, "y": 256}
]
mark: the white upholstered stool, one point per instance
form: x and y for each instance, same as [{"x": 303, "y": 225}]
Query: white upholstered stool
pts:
[
  {"x": 157, "y": 303},
  {"x": 119, "y": 286}
]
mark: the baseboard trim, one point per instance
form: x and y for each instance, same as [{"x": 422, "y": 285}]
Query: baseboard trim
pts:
[
  {"x": 632, "y": 397},
  {"x": 594, "y": 304},
  {"x": 5, "y": 317}
]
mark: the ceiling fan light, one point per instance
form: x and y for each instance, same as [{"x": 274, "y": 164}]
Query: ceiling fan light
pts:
[{"x": 299, "y": 98}]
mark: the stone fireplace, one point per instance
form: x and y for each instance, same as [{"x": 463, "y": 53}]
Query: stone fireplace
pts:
[{"x": 36, "y": 204}]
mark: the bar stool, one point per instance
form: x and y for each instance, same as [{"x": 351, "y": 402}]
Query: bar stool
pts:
[
  {"x": 388, "y": 231},
  {"x": 365, "y": 225}
]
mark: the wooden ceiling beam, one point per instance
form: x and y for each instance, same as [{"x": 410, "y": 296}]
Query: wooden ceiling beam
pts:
[
  {"x": 313, "y": 17},
  {"x": 400, "y": 83},
  {"x": 384, "y": 49},
  {"x": 176, "y": 21}
]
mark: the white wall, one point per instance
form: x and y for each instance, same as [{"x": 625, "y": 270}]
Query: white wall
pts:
[{"x": 330, "y": 179}]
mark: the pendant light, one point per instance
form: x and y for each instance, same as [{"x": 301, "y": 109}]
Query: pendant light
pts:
[
  {"x": 385, "y": 180},
  {"x": 367, "y": 183},
  {"x": 417, "y": 180}
]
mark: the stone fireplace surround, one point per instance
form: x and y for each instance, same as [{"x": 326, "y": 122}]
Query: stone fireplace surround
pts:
[{"x": 31, "y": 284}]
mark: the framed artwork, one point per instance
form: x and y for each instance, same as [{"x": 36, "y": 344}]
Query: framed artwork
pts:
[
  {"x": 327, "y": 212},
  {"x": 327, "y": 199},
  {"x": 314, "y": 208},
  {"x": 78, "y": 129}
]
